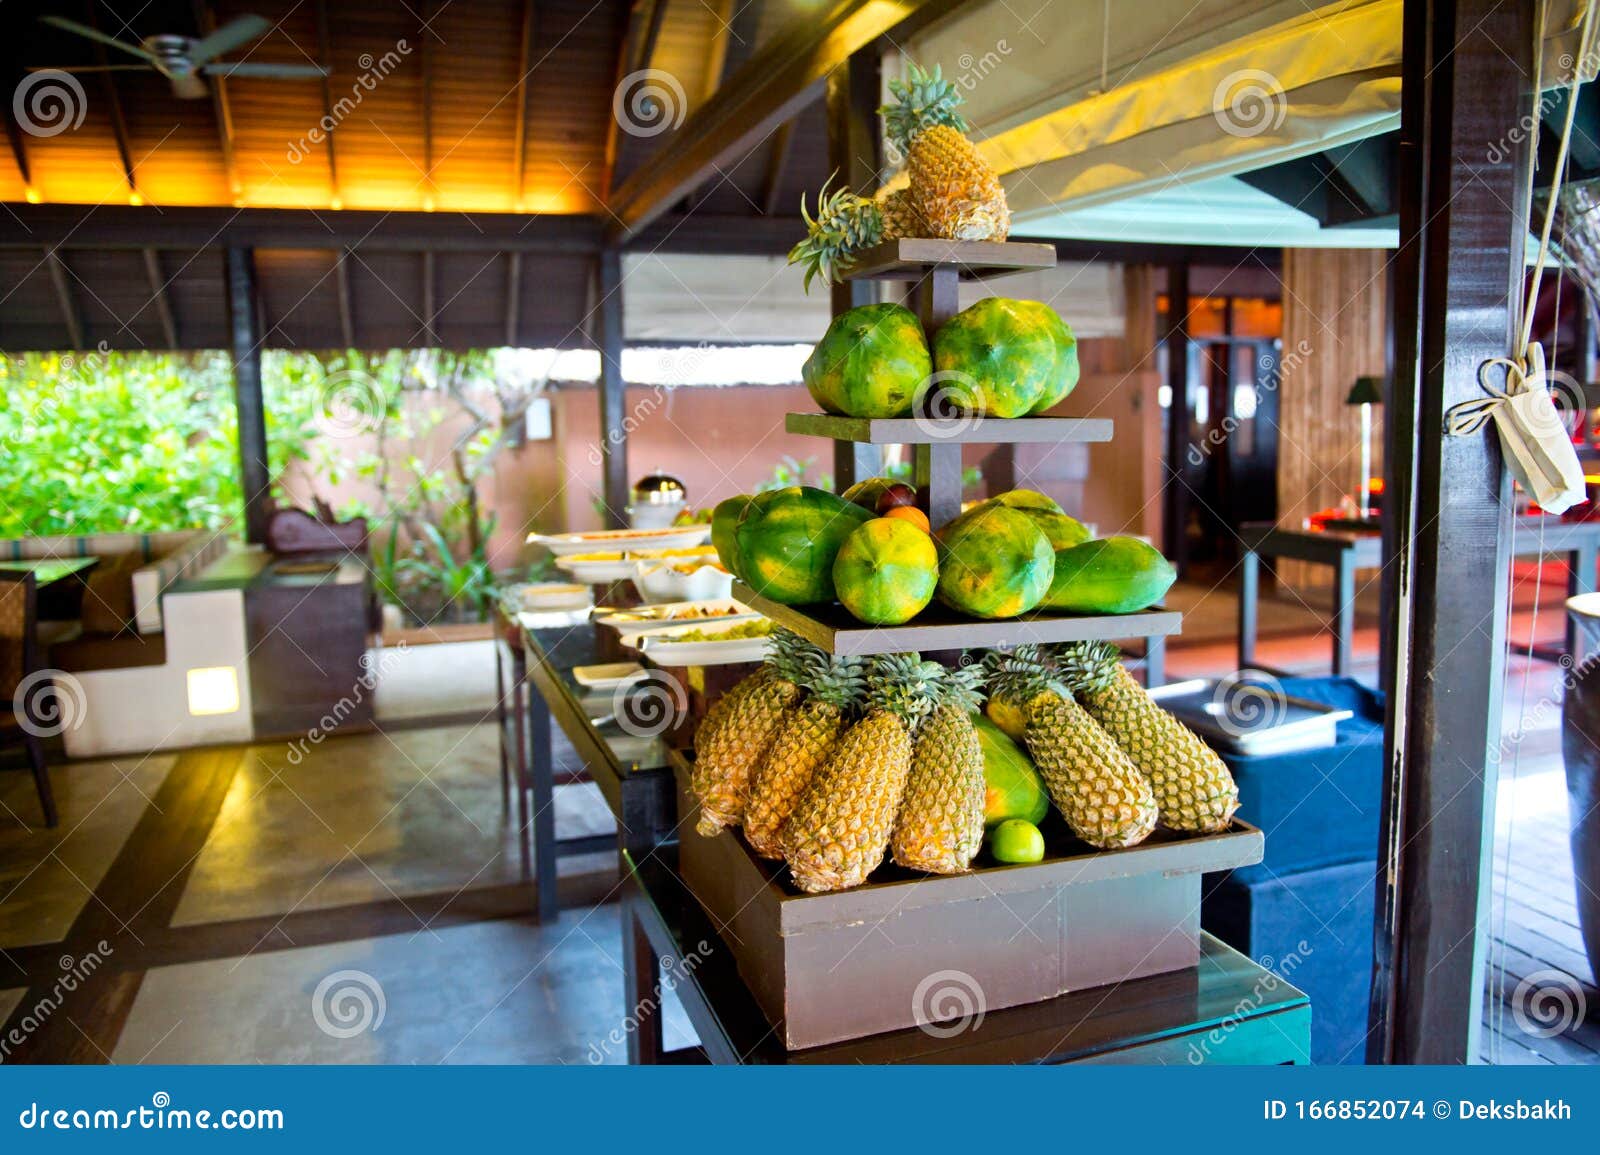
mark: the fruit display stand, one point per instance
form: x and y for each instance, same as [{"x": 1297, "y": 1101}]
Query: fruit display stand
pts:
[{"x": 830, "y": 967}]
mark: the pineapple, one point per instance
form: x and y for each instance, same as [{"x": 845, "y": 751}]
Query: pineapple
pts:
[
  {"x": 940, "y": 828},
  {"x": 954, "y": 192},
  {"x": 899, "y": 215},
  {"x": 845, "y": 224},
  {"x": 736, "y": 734},
  {"x": 1103, "y": 796},
  {"x": 840, "y": 830},
  {"x": 803, "y": 745},
  {"x": 1193, "y": 787}
]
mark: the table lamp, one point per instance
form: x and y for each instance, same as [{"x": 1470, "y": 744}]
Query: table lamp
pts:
[{"x": 1366, "y": 392}]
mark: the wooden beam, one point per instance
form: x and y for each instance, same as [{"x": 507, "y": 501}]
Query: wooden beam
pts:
[
  {"x": 1448, "y": 508},
  {"x": 205, "y": 23},
  {"x": 613, "y": 392},
  {"x": 777, "y": 159},
  {"x": 430, "y": 313},
  {"x": 781, "y": 79},
  {"x": 119, "y": 123},
  {"x": 60, "y": 279},
  {"x": 158, "y": 295},
  {"x": 519, "y": 150},
  {"x": 717, "y": 52},
  {"x": 347, "y": 312},
  {"x": 634, "y": 54},
  {"x": 325, "y": 59},
  {"x": 125, "y": 227},
  {"x": 243, "y": 313},
  {"x": 19, "y": 152},
  {"x": 513, "y": 297},
  {"x": 1174, "y": 493},
  {"x": 428, "y": 193}
]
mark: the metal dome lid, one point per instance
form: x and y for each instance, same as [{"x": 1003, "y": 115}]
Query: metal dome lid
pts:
[{"x": 659, "y": 488}]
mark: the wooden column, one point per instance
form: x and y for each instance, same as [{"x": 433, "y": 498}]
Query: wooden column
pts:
[
  {"x": 1175, "y": 493},
  {"x": 613, "y": 392},
  {"x": 244, "y": 314},
  {"x": 1457, "y": 301},
  {"x": 854, "y": 154}
]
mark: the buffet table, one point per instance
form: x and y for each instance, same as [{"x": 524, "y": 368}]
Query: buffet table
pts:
[{"x": 1226, "y": 1010}]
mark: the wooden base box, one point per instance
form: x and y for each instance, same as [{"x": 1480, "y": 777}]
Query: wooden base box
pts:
[{"x": 910, "y": 949}]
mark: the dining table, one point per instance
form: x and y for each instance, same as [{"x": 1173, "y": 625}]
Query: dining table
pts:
[{"x": 59, "y": 580}]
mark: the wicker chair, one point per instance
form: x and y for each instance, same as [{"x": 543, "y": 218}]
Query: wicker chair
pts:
[{"x": 18, "y": 659}]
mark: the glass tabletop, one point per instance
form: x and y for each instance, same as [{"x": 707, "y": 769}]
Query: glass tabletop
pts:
[{"x": 49, "y": 570}]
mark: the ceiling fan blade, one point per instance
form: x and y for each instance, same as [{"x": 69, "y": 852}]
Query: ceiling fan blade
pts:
[
  {"x": 189, "y": 86},
  {"x": 265, "y": 70},
  {"x": 95, "y": 34},
  {"x": 230, "y": 36}
]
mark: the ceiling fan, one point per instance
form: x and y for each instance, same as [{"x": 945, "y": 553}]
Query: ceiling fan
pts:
[{"x": 184, "y": 60}]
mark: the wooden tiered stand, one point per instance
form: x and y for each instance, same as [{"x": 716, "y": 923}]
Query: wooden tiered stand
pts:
[{"x": 830, "y": 967}]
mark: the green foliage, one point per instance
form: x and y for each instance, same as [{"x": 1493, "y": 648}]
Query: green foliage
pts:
[
  {"x": 792, "y": 471},
  {"x": 971, "y": 476}
]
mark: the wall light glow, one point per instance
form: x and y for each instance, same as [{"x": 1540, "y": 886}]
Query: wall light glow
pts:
[{"x": 213, "y": 690}]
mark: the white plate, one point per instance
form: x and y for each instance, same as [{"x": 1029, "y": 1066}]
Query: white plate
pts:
[
  {"x": 646, "y": 619},
  {"x": 678, "y": 537},
  {"x": 597, "y": 572},
  {"x": 658, "y": 581},
  {"x": 555, "y": 596},
  {"x": 660, "y": 649},
  {"x": 609, "y": 676}
]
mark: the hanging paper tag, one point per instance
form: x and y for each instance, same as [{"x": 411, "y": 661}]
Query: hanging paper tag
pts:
[{"x": 1537, "y": 443}]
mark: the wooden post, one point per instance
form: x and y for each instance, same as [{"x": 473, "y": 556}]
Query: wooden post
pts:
[
  {"x": 1175, "y": 497},
  {"x": 855, "y": 156},
  {"x": 244, "y": 323},
  {"x": 613, "y": 392},
  {"x": 1458, "y": 287}
]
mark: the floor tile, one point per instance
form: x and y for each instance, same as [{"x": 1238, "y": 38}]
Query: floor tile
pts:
[
  {"x": 496, "y": 992},
  {"x": 46, "y": 875},
  {"x": 366, "y": 818}
]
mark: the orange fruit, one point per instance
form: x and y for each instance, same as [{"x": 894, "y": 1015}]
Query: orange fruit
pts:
[{"x": 912, "y": 514}]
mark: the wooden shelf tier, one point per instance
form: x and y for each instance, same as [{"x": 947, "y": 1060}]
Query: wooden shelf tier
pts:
[
  {"x": 913, "y": 258},
  {"x": 937, "y": 628},
  {"x": 956, "y": 431}
]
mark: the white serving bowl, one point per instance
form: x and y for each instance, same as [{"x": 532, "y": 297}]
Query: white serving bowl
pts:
[{"x": 659, "y": 582}]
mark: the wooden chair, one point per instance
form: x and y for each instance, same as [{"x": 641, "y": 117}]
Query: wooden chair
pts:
[{"x": 19, "y": 606}]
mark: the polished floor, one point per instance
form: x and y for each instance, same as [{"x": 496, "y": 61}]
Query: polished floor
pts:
[{"x": 366, "y": 902}]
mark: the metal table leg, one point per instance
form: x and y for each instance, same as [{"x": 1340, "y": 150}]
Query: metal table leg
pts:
[
  {"x": 1580, "y": 580},
  {"x": 1344, "y": 614},
  {"x": 541, "y": 784},
  {"x": 523, "y": 702},
  {"x": 500, "y": 727},
  {"x": 641, "y": 987},
  {"x": 1155, "y": 662},
  {"x": 1249, "y": 583}
]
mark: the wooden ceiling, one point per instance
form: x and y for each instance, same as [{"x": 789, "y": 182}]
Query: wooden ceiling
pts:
[{"x": 441, "y": 108}]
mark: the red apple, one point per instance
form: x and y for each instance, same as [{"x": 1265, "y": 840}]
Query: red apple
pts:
[{"x": 895, "y": 496}]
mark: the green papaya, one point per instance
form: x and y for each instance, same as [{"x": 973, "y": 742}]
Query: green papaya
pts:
[
  {"x": 1111, "y": 575},
  {"x": 870, "y": 362},
  {"x": 1012, "y": 787},
  {"x": 994, "y": 563},
  {"x": 724, "y": 520},
  {"x": 787, "y": 541},
  {"x": 1005, "y": 358}
]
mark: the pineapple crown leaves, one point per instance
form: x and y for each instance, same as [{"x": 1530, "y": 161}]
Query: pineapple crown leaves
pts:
[
  {"x": 1088, "y": 666},
  {"x": 905, "y": 686},
  {"x": 844, "y": 225},
  {"x": 837, "y": 681},
  {"x": 922, "y": 100},
  {"x": 786, "y": 658},
  {"x": 1021, "y": 673},
  {"x": 962, "y": 687}
]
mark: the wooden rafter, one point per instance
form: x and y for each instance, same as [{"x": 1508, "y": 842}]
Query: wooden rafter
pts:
[
  {"x": 430, "y": 314},
  {"x": 638, "y": 48},
  {"x": 60, "y": 278},
  {"x": 325, "y": 59},
  {"x": 777, "y": 159},
  {"x": 782, "y": 78},
  {"x": 205, "y": 23},
  {"x": 158, "y": 297},
  {"x": 19, "y": 152},
  {"x": 119, "y": 122},
  {"x": 519, "y": 152},
  {"x": 717, "y": 55},
  {"x": 427, "y": 107}
]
